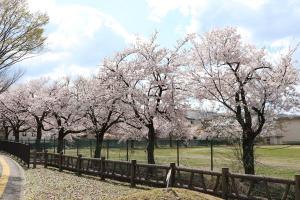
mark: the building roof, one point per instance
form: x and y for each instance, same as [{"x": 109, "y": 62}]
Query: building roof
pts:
[
  {"x": 197, "y": 115},
  {"x": 289, "y": 116}
]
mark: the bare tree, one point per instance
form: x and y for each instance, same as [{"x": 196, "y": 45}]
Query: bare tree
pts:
[{"x": 21, "y": 35}]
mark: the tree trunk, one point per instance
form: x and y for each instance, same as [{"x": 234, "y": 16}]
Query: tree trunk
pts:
[
  {"x": 156, "y": 143},
  {"x": 60, "y": 140},
  {"x": 38, "y": 138},
  {"x": 17, "y": 136},
  {"x": 99, "y": 141},
  {"x": 131, "y": 144},
  {"x": 151, "y": 144},
  {"x": 6, "y": 132},
  {"x": 170, "y": 141},
  {"x": 248, "y": 155}
]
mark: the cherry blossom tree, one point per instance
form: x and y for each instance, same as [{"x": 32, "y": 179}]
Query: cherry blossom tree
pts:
[
  {"x": 5, "y": 128},
  {"x": 66, "y": 111},
  {"x": 102, "y": 104},
  {"x": 244, "y": 80},
  {"x": 146, "y": 73},
  {"x": 42, "y": 106},
  {"x": 37, "y": 103},
  {"x": 12, "y": 112}
]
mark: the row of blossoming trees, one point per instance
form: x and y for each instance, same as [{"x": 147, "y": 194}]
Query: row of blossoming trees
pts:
[{"x": 144, "y": 90}]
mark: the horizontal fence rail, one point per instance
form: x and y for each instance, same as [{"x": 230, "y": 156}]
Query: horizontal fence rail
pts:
[
  {"x": 20, "y": 150},
  {"x": 222, "y": 184}
]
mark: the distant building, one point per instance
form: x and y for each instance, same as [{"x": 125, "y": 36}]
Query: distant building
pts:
[
  {"x": 287, "y": 127},
  {"x": 195, "y": 116},
  {"x": 287, "y": 130},
  {"x": 24, "y": 136},
  {"x": 197, "y": 119}
]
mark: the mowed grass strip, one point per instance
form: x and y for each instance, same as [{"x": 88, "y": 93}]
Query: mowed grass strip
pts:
[{"x": 276, "y": 160}]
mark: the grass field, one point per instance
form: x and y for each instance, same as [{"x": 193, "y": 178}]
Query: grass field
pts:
[{"x": 277, "y": 161}]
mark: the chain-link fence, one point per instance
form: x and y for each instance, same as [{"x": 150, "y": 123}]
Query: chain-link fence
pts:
[{"x": 192, "y": 153}]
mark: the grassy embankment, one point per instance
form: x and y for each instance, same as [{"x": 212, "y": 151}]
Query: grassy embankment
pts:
[{"x": 49, "y": 184}]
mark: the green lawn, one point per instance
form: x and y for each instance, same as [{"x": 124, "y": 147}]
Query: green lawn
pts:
[{"x": 277, "y": 161}]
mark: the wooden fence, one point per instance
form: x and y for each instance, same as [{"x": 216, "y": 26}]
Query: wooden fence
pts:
[
  {"x": 18, "y": 149},
  {"x": 222, "y": 184}
]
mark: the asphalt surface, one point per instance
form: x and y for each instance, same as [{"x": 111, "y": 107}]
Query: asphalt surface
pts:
[{"x": 12, "y": 179}]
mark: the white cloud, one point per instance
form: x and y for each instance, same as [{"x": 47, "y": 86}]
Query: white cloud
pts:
[
  {"x": 71, "y": 29},
  {"x": 252, "y": 4},
  {"x": 118, "y": 28},
  {"x": 62, "y": 71},
  {"x": 245, "y": 33},
  {"x": 74, "y": 23},
  {"x": 277, "y": 48},
  {"x": 45, "y": 57},
  {"x": 72, "y": 71},
  {"x": 194, "y": 9},
  {"x": 193, "y": 26},
  {"x": 282, "y": 43},
  {"x": 191, "y": 8},
  {"x": 160, "y": 9}
]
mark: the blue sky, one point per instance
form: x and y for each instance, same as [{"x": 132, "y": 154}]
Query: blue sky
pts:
[{"x": 82, "y": 32}]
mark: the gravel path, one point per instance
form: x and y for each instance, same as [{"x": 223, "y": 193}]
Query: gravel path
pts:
[{"x": 50, "y": 184}]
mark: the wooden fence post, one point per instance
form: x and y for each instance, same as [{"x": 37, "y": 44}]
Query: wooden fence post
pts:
[
  {"x": 225, "y": 183},
  {"x": 77, "y": 147},
  {"x": 64, "y": 146},
  {"x": 54, "y": 147},
  {"x": 297, "y": 187},
  {"x": 177, "y": 146},
  {"x": 132, "y": 173},
  {"x": 28, "y": 158},
  {"x": 78, "y": 165},
  {"x": 127, "y": 149},
  {"x": 34, "y": 159},
  {"x": 107, "y": 149},
  {"x": 46, "y": 159},
  {"x": 102, "y": 162},
  {"x": 211, "y": 155},
  {"x": 91, "y": 150},
  {"x": 172, "y": 178},
  {"x": 60, "y": 161},
  {"x": 44, "y": 145}
]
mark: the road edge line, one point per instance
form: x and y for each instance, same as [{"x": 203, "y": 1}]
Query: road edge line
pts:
[{"x": 4, "y": 176}]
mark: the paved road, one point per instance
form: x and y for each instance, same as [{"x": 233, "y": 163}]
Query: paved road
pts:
[{"x": 11, "y": 180}]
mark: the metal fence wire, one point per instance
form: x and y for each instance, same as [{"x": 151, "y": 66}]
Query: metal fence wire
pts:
[{"x": 125, "y": 150}]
